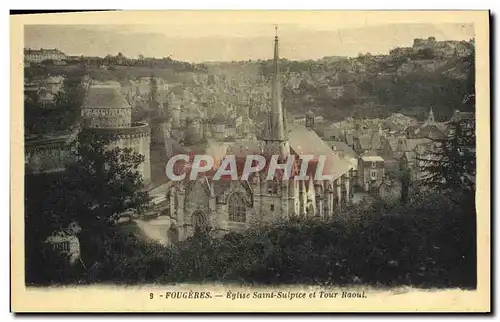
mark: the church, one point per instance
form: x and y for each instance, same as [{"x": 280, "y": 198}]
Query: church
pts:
[{"x": 221, "y": 206}]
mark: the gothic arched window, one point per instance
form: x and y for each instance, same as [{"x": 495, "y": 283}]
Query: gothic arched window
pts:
[
  {"x": 237, "y": 208},
  {"x": 199, "y": 221}
]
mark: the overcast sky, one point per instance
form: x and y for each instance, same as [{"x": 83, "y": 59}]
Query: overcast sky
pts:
[{"x": 220, "y": 41}]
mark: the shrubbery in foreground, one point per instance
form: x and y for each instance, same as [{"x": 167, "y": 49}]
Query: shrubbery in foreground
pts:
[{"x": 429, "y": 242}]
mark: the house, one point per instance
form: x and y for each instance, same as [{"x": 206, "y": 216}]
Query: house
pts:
[{"x": 371, "y": 172}]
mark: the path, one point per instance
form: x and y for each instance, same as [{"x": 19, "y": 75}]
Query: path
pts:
[{"x": 155, "y": 230}]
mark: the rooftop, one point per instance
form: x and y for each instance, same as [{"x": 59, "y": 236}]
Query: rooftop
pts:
[
  {"x": 105, "y": 96},
  {"x": 42, "y": 50},
  {"x": 341, "y": 146},
  {"x": 306, "y": 142},
  {"x": 372, "y": 158}
]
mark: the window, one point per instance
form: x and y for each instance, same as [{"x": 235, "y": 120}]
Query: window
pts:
[
  {"x": 374, "y": 164},
  {"x": 62, "y": 246},
  {"x": 237, "y": 208},
  {"x": 373, "y": 175},
  {"x": 272, "y": 207},
  {"x": 199, "y": 221}
]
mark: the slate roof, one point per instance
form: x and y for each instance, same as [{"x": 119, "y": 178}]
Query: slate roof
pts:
[
  {"x": 101, "y": 96},
  {"x": 306, "y": 142},
  {"x": 342, "y": 146},
  {"x": 329, "y": 132}
]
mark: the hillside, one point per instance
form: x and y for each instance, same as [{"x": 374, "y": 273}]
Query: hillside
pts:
[{"x": 407, "y": 80}]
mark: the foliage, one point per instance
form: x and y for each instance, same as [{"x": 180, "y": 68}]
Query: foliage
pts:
[
  {"x": 451, "y": 165},
  {"x": 104, "y": 181},
  {"x": 383, "y": 84},
  {"x": 64, "y": 114},
  {"x": 100, "y": 183},
  {"x": 427, "y": 242}
]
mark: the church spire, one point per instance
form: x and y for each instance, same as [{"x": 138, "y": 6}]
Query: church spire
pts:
[
  {"x": 277, "y": 142},
  {"x": 277, "y": 115}
]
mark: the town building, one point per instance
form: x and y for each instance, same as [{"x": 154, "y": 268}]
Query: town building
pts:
[
  {"x": 40, "y": 55},
  {"x": 371, "y": 172}
]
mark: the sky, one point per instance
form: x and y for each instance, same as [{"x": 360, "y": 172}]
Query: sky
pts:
[{"x": 226, "y": 41}]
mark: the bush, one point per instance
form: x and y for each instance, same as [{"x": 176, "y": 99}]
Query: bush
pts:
[{"x": 428, "y": 242}]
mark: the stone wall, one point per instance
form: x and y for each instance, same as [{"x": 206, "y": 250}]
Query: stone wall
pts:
[{"x": 138, "y": 138}]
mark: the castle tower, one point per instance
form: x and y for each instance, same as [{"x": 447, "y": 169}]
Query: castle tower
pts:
[
  {"x": 276, "y": 136},
  {"x": 105, "y": 111}
]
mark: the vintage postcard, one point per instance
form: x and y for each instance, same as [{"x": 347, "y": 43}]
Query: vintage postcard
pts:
[{"x": 250, "y": 161}]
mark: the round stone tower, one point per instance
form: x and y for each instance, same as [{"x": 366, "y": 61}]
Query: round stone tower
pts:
[{"x": 107, "y": 112}]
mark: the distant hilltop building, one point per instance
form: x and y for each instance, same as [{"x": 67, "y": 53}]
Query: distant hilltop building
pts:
[
  {"x": 106, "y": 111},
  {"x": 441, "y": 49},
  {"x": 40, "y": 55}
]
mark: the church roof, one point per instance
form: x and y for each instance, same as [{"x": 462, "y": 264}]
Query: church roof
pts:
[
  {"x": 244, "y": 148},
  {"x": 99, "y": 96},
  {"x": 342, "y": 146},
  {"x": 306, "y": 142}
]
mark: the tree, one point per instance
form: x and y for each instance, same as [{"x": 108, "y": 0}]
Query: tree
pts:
[
  {"x": 103, "y": 181},
  {"x": 452, "y": 163},
  {"x": 404, "y": 178},
  {"x": 99, "y": 183},
  {"x": 67, "y": 103}
]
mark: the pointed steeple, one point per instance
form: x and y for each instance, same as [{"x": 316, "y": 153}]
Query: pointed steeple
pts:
[
  {"x": 277, "y": 135},
  {"x": 277, "y": 116}
]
